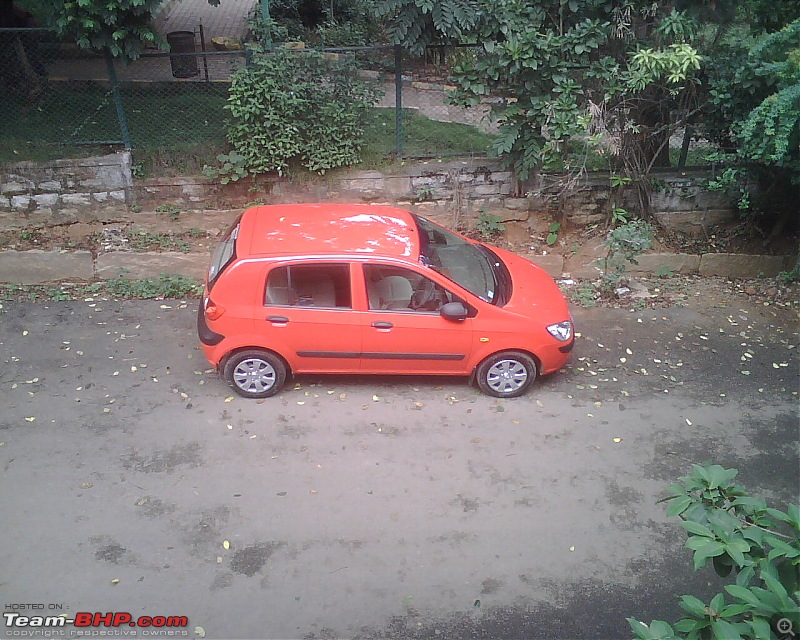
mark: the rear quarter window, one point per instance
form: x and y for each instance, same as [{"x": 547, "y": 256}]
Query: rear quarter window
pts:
[{"x": 223, "y": 254}]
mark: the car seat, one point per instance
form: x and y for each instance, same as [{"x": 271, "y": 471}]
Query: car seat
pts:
[{"x": 392, "y": 292}]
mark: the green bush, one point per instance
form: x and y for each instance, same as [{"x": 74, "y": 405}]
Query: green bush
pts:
[
  {"x": 624, "y": 244},
  {"x": 745, "y": 539},
  {"x": 298, "y": 108}
]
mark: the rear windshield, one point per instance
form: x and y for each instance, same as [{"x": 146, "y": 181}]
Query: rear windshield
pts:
[{"x": 223, "y": 254}]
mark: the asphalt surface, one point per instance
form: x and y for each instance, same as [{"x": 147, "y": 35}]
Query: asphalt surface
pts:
[{"x": 133, "y": 480}]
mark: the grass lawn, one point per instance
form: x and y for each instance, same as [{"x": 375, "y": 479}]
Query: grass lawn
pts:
[{"x": 179, "y": 127}]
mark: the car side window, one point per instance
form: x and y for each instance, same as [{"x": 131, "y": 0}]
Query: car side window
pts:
[
  {"x": 398, "y": 289},
  {"x": 309, "y": 285}
]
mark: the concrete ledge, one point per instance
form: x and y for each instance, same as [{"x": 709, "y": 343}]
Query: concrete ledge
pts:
[
  {"x": 37, "y": 266},
  {"x": 553, "y": 264},
  {"x": 151, "y": 264},
  {"x": 672, "y": 262},
  {"x": 734, "y": 265}
]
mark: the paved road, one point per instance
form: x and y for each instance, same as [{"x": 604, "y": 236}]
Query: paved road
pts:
[{"x": 376, "y": 508}]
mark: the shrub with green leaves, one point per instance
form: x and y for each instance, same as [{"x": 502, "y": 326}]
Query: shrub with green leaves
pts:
[
  {"x": 624, "y": 244},
  {"x": 298, "y": 108},
  {"x": 742, "y": 537}
]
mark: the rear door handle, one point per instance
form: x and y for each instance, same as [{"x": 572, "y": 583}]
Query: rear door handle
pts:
[
  {"x": 382, "y": 325},
  {"x": 278, "y": 319}
]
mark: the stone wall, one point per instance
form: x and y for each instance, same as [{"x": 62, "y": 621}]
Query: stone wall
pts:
[
  {"x": 678, "y": 200},
  {"x": 65, "y": 191},
  {"x": 102, "y": 188}
]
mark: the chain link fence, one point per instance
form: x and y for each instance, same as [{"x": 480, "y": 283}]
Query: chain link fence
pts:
[{"x": 169, "y": 108}]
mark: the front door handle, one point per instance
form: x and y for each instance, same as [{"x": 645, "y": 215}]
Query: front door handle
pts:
[
  {"x": 278, "y": 319},
  {"x": 382, "y": 325}
]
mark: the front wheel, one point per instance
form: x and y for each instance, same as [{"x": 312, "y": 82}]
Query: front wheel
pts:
[
  {"x": 255, "y": 373},
  {"x": 506, "y": 375}
]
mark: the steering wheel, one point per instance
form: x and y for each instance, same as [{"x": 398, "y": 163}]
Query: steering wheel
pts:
[{"x": 424, "y": 296}]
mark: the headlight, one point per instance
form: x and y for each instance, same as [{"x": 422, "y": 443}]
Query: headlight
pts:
[{"x": 561, "y": 331}]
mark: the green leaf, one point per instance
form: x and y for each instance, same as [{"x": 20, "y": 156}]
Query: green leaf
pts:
[
  {"x": 744, "y": 576},
  {"x": 693, "y": 605},
  {"x": 743, "y": 594},
  {"x": 697, "y": 529},
  {"x": 761, "y": 627},
  {"x": 709, "y": 550},
  {"x": 725, "y": 630},
  {"x": 678, "y": 505}
]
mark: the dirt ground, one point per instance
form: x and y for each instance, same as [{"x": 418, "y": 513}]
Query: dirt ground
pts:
[
  {"x": 177, "y": 230},
  {"x": 396, "y": 508}
]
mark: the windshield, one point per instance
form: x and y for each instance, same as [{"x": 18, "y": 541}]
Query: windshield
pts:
[{"x": 471, "y": 265}]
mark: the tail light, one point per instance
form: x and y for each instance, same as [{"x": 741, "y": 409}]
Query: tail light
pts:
[{"x": 213, "y": 311}]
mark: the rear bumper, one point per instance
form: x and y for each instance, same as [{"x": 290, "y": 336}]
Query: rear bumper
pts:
[{"x": 207, "y": 336}]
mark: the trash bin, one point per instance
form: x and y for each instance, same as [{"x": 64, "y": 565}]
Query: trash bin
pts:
[{"x": 183, "y": 66}]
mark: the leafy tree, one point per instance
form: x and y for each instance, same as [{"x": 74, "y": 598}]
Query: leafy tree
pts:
[
  {"x": 754, "y": 115},
  {"x": 415, "y": 24},
  {"x": 745, "y": 539},
  {"x": 123, "y": 27},
  {"x": 624, "y": 72}
]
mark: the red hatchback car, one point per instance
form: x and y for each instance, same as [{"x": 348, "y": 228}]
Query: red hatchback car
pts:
[{"x": 366, "y": 289}]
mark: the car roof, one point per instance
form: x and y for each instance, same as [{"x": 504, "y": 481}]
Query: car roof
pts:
[{"x": 328, "y": 229}]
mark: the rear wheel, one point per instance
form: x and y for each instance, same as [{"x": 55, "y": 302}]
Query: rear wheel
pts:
[
  {"x": 506, "y": 375},
  {"x": 255, "y": 373}
]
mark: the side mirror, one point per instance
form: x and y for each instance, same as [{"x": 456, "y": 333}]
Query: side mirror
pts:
[{"x": 455, "y": 311}]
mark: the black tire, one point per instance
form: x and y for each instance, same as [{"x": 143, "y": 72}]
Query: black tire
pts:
[
  {"x": 255, "y": 373},
  {"x": 507, "y": 374}
]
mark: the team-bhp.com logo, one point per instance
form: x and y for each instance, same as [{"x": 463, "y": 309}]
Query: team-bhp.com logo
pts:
[{"x": 88, "y": 619}]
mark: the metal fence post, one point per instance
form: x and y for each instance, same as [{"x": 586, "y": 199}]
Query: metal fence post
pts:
[
  {"x": 398, "y": 99},
  {"x": 123, "y": 122}
]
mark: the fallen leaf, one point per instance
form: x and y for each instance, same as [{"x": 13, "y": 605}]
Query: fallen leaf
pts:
[
  {"x": 375, "y": 398},
  {"x": 226, "y": 545},
  {"x": 87, "y": 485},
  {"x": 572, "y": 548},
  {"x": 616, "y": 439},
  {"x": 115, "y": 581},
  {"x": 31, "y": 419},
  {"x": 539, "y": 403},
  {"x": 229, "y": 399},
  {"x": 25, "y": 333},
  {"x": 200, "y": 632}
]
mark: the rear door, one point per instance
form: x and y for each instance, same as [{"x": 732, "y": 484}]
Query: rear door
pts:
[
  {"x": 403, "y": 331},
  {"x": 308, "y": 316}
]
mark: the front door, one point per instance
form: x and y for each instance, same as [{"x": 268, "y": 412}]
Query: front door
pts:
[{"x": 402, "y": 330}]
